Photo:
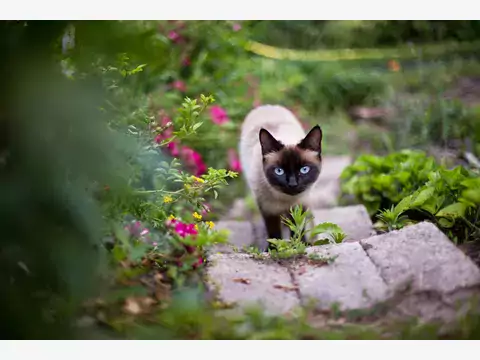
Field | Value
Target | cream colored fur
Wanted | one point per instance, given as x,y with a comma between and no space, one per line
285,127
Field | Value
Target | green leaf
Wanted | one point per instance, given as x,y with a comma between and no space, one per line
422,197
326,227
138,252
455,210
331,233
197,125
139,68
119,253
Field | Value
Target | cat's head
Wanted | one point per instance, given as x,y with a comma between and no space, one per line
292,169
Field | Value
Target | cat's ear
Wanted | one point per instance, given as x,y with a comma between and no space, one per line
313,140
268,142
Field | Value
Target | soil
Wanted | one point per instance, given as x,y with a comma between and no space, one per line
472,250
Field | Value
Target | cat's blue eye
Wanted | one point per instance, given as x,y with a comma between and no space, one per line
279,171
305,169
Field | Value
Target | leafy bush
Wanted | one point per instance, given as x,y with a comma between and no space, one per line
408,186
318,34
450,199
380,182
328,88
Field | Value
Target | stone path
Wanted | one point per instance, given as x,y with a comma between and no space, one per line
418,267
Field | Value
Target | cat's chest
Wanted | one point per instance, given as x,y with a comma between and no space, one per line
274,202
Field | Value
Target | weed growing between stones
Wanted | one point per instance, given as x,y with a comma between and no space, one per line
300,224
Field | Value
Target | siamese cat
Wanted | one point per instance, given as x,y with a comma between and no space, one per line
280,162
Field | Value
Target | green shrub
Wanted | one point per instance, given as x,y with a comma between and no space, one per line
330,88
408,186
380,182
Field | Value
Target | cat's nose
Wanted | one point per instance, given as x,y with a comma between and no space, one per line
292,182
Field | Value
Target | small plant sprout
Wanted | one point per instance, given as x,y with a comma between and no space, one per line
391,219
298,222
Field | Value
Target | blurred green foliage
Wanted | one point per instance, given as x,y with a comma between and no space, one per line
55,150
90,124
317,34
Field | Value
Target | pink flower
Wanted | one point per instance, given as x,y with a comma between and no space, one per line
201,168
193,160
219,115
233,161
136,229
187,155
179,85
154,243
173,147
174,36
236,27
184,230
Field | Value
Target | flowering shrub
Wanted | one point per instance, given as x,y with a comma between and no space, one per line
169,227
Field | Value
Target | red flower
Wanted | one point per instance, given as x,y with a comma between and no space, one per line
219,115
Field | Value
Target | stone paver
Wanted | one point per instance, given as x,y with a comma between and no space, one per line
333,166
245,281
241,234
239,211
354,220
351,280
260,234
418,269
327,188
324,195
437,276
423,254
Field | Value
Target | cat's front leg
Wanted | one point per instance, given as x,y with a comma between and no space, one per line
274,228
